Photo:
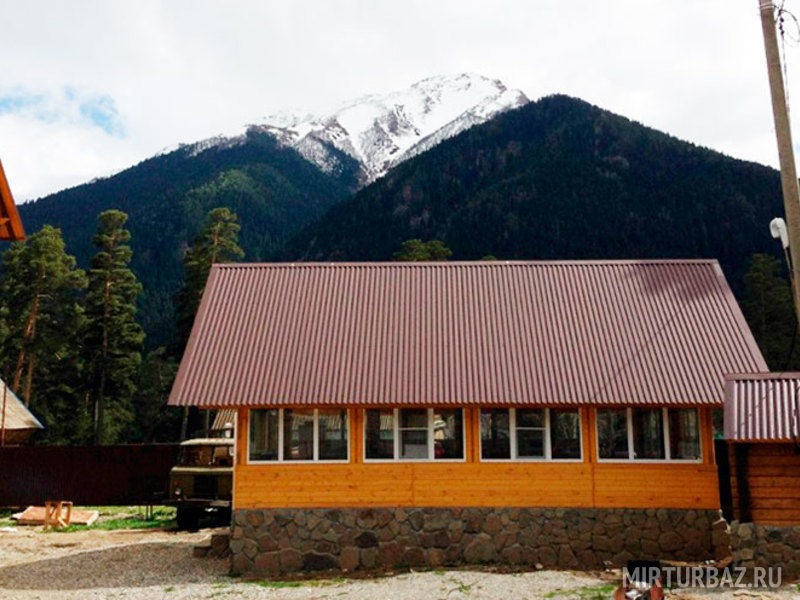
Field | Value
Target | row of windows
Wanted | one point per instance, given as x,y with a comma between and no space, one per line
505,434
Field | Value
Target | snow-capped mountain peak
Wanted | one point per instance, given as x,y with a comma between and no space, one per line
381,130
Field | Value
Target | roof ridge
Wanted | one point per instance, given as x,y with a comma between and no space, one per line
471,263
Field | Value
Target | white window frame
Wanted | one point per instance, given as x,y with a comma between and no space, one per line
314,461
512,437
665,427
431,443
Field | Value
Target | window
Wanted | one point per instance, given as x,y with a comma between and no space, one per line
414,434
612,433
332,434
565,434
448,434
379,434
495,433
530,434
264,441
298,435
648,434
684,436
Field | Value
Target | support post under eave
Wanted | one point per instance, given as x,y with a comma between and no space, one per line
741,454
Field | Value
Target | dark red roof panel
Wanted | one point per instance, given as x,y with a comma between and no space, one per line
567,332
762,407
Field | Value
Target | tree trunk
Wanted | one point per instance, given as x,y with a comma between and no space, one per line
99,425
28,333
100,409
29,380
184,422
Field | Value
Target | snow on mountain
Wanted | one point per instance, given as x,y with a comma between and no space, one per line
382,130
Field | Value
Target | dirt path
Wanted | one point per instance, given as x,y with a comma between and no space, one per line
89,565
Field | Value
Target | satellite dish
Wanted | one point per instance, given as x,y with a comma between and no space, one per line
777,227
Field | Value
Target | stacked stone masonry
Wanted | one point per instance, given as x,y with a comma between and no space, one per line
766,546
273,541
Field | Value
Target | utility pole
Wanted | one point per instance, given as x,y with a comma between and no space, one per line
791,191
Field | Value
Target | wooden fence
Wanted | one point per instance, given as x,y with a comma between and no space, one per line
86,475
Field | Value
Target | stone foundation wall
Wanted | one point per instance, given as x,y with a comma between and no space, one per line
766,546
272,541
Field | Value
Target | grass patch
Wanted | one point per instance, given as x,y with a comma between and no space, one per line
296,583
124,517
5,518
114,524
590,592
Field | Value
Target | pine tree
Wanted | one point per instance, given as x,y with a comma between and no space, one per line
154,420
218,242
113,339
767,305
417,251
39,288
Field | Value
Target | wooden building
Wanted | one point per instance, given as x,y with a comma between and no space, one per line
586,385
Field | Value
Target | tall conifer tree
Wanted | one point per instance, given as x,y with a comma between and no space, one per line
218,242
113,339
39,288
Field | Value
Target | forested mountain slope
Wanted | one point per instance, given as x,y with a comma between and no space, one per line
273,190
557,179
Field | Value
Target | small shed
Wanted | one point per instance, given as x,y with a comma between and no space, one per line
17,423
762,427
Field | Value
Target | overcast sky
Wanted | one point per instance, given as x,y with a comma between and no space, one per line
88,88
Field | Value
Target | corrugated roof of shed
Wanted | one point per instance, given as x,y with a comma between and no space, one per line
561,332
762,407
17,416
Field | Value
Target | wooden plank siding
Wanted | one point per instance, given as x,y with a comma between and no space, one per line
583,484
772,482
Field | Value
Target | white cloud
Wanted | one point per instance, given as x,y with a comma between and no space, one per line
185,70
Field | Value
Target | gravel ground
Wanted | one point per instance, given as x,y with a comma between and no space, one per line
159,564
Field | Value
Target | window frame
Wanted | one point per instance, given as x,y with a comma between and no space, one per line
665,432
396,437
314,461
512,437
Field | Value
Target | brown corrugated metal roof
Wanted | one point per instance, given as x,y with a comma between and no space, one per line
565,332
762,407
223,418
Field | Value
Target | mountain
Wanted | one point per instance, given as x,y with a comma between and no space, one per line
272,189
558,179
381,131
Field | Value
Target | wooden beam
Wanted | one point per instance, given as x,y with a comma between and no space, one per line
10,223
